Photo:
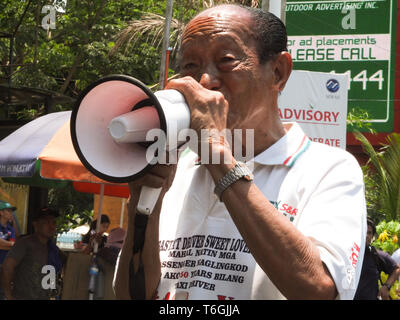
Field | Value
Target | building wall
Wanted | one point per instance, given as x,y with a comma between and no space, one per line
113,207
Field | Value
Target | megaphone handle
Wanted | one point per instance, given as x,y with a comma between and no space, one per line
148,199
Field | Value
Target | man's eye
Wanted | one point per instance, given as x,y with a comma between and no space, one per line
227,59
228,63
189,66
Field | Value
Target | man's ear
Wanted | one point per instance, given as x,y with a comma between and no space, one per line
282,69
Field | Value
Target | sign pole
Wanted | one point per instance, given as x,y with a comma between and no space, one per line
277,7
165,46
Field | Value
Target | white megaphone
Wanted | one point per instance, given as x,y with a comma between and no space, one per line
110,121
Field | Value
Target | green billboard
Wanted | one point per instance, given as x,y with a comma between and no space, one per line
353,37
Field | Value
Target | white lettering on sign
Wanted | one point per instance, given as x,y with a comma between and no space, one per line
339,47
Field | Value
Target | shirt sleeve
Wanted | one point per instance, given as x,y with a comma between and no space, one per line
388,263
334,218
18,251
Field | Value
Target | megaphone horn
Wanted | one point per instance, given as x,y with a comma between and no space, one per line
111,118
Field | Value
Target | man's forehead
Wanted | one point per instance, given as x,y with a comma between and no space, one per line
225,11
218,19
47,218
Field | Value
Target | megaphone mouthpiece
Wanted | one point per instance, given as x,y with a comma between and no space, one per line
133,126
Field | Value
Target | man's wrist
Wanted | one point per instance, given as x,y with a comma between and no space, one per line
214,149
218,170
239,171
387,286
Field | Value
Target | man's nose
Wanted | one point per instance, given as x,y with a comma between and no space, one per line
210,80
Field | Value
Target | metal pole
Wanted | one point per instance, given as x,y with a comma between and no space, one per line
10,59
121,218
265,5
94,269
277,7
98,224
283,11
167,25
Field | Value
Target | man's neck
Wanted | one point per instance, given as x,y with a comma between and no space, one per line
271,136
43,240
3,222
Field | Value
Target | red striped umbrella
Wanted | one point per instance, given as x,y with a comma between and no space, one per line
43,149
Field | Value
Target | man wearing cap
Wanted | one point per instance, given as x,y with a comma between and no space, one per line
31,266
7,233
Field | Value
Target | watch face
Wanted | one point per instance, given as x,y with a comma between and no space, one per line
246,173
247,177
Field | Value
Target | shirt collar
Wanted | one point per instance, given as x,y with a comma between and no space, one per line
287,149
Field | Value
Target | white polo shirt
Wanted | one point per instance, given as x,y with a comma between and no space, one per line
318,188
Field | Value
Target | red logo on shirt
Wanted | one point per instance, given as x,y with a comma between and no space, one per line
287,210
355,251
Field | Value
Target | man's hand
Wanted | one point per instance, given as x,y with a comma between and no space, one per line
5,244
208,108
384,293
160,176
208,117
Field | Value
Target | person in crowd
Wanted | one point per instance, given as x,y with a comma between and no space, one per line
264,228
113,246
7,233
375,261
93,236
32,268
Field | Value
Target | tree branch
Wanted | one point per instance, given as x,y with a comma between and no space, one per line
78,57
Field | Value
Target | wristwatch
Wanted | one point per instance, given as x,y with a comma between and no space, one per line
239,171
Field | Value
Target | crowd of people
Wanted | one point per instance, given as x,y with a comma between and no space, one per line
22,262
32,266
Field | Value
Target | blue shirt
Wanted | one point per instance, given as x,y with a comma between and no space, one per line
6,233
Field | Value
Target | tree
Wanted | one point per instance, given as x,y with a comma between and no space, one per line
149,27
383,177
66,59
76,208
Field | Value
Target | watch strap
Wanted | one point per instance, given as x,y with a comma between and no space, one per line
239,171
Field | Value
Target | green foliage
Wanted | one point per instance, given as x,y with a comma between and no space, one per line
388,234
357,121
383,176
76,52
76,208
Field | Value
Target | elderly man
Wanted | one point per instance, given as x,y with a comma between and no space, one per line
295,230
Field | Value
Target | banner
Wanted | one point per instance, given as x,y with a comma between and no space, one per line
318,103
353,37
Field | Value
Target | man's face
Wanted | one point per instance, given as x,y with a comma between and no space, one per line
370,235
218,50
46,226
7,214
103,227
